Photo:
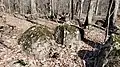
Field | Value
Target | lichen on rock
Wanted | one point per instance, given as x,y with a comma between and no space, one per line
31,35
70,29
64,33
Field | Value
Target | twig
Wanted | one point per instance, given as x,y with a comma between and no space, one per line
5,45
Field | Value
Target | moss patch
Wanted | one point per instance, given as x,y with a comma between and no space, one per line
31,35
69,28
64,31
114,56
117,38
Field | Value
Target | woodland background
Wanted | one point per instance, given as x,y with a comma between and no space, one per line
32,33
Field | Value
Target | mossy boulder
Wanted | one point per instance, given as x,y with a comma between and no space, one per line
114,56
65,34
40,35
71,29
33,34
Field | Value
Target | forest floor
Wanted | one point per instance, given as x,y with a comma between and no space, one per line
11,52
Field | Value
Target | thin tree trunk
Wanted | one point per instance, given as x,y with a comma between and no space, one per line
9,8
71,10
113,7
20,7
81,8
33,7
77,6
50,7
57,9
53,7
97,6
111,17
90,13
116,10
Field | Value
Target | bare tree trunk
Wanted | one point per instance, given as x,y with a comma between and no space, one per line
51,14
21,10
111,17
97,5
81,8
53,7
9,8
90,13
112,12
82,1
57,9
116,10
50,7
71,10
33,7
77,7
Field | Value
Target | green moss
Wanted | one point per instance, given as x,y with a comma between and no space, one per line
114,56
70,29
117,38
59,34
31,35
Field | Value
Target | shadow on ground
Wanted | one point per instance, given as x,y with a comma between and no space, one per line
97,57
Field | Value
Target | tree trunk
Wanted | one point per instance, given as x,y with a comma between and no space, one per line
82,1
97,5
33,7
111,17
76,8
50,7
21,10
116,11
90,13
71,10
81,8
112,13
53,7
9,8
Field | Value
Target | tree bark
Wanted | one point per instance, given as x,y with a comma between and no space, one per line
81,8
90,13
111,17
53,7
50,7
21,10
112,13
71,10
97,6
33,7
9,8
116,11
